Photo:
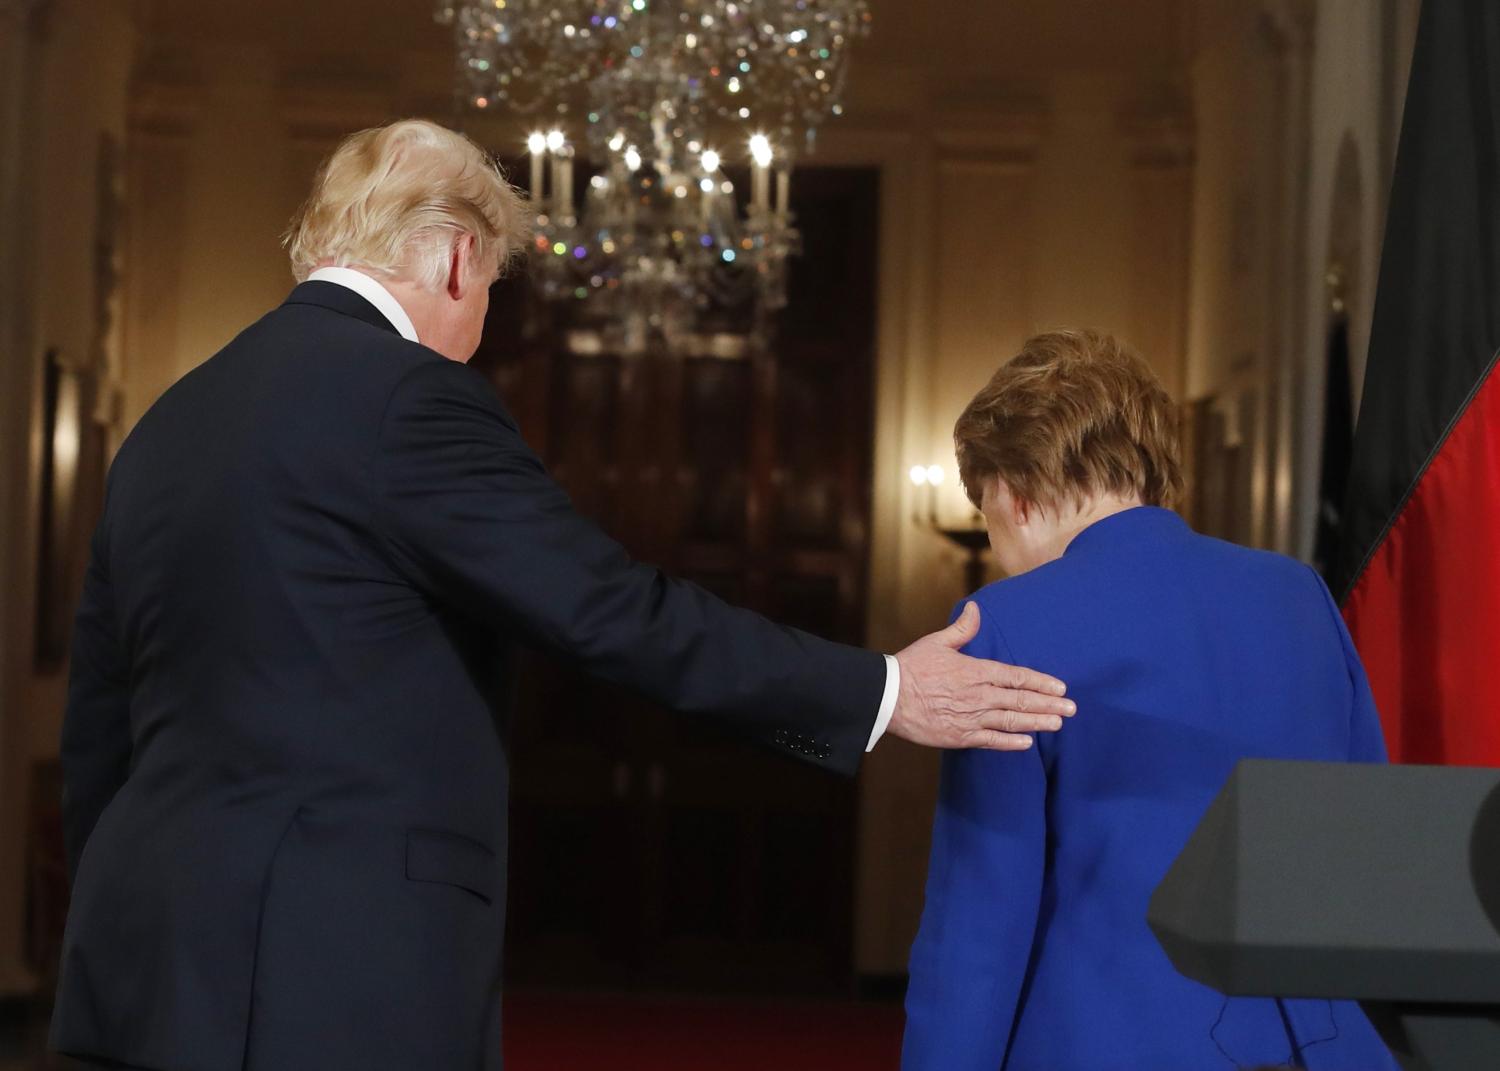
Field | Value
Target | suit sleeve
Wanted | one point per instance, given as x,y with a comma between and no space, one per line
468,514
96,745
1366,738
984,888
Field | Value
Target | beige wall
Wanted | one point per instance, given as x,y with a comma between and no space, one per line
1297,105
68,61
1368,46
1248,283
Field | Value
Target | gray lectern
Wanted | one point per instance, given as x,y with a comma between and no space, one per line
1374,883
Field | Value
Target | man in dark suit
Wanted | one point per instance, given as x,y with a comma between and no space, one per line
284,750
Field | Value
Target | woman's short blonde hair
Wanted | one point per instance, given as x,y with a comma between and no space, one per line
392,199
1074,414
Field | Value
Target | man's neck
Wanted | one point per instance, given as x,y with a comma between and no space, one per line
377,291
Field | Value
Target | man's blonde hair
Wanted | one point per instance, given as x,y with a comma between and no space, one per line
392,200
1074,414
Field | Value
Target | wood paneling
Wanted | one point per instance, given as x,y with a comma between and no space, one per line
648,849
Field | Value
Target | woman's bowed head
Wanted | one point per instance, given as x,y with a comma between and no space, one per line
1071,430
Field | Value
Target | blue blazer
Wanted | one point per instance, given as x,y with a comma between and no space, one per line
1185,655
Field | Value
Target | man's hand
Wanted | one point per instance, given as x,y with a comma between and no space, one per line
950,700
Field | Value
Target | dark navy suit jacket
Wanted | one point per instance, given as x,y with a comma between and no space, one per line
284,749
1185,655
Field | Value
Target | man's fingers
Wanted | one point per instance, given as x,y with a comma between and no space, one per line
1010,700
1017,678
990,740
1009,721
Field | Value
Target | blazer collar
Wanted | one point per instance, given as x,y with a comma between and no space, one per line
1142,523
340,299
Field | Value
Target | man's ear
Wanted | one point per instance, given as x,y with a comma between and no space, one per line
460,263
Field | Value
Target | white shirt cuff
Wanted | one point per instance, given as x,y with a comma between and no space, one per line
887,701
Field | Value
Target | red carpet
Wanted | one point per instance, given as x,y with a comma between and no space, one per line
625,1033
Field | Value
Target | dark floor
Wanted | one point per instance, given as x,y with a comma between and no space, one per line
572,1032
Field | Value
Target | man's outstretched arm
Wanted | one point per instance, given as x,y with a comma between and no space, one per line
467,512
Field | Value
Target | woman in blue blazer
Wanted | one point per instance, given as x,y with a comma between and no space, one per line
1185,654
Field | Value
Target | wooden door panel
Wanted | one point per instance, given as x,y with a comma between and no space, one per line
816,420
715,460
650,848
584,418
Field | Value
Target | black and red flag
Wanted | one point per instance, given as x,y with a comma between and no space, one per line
1419,564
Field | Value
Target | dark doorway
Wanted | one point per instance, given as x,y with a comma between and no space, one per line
646,849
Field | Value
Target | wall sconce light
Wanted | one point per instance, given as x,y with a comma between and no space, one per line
930,477
973,539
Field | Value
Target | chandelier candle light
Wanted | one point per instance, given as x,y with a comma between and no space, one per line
656,95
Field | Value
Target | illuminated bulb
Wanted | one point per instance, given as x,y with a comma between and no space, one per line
918,475
617,142
760,149
706,185
935,475
632,159
536,143
555,140
710,160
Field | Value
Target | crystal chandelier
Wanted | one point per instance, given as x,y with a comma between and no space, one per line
660,96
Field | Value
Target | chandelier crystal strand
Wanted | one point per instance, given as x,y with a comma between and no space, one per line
660,96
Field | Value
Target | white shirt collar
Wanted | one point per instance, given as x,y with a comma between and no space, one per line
373,292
